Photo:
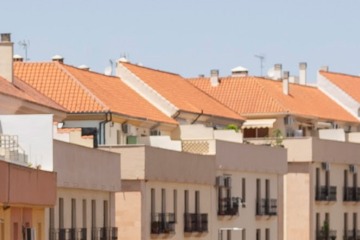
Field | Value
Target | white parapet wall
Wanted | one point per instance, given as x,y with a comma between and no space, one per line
332,134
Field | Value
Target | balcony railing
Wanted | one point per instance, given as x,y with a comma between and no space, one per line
10,150
162,223
271,207
325,193
68,234
104,233
266,207
351,194
196,222
326,235
229,206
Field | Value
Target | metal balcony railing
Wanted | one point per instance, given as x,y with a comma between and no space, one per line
266,207
162,223
326,235
10,150
104,233
229,206
196,222
325,193
67,234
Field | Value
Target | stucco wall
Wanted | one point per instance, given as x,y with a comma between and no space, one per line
95,169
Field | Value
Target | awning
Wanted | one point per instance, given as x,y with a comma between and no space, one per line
259,123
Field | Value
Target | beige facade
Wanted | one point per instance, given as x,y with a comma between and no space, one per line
87,182
175,195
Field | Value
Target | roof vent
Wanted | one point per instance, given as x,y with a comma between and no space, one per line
84,67
239,72
58,58
18,58
123,59
214,77
324,68
5,37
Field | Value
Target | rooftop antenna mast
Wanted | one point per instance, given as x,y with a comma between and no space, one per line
25,45
261,58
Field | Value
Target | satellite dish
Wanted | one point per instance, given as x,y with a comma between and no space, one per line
271,73
108,71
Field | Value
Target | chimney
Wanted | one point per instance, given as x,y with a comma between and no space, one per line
277,72
324,68
58,58
6,57
239,72
285,83
302,73
214,77
18,58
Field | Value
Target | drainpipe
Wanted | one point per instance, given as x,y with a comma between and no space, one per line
108,118
198,116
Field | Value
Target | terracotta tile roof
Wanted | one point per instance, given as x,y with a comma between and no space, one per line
83,91
21,90
348,83
181,93
254,95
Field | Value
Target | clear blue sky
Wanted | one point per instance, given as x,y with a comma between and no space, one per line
190,37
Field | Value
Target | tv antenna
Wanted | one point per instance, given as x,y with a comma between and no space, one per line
25,44
261,59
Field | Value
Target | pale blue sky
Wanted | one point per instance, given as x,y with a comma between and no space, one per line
190,37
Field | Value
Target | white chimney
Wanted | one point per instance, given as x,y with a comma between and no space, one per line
285,83
18,58
58,58
214,77
302,73
277,72
239,72
6,57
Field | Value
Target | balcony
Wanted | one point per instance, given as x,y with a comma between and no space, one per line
326,235
229,206
352,234
68,234
162,223
266,207
196,222
325,193
104,233
10,150
271,207
350,194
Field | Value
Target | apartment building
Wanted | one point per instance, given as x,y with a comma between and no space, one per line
82,204
313,128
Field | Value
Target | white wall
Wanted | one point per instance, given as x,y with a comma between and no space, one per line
34,135
332,134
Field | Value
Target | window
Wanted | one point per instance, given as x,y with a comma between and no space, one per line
61,213
258,189
228,235
243,234
163,200
84,215
258,234
186,201
73,213
345,225
267,189
152,200
175,205
51,223
197,202
106,213
93,213
243,188
267,234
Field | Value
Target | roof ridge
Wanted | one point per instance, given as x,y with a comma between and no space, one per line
270,95
153,69
211,97
62,68
337,73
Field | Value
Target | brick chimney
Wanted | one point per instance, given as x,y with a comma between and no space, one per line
6,57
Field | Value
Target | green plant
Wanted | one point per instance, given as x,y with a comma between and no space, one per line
232,127
278,136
